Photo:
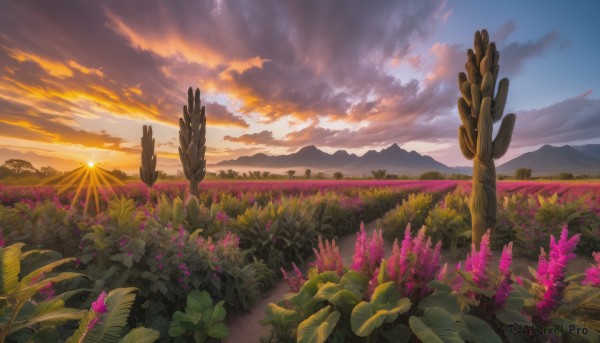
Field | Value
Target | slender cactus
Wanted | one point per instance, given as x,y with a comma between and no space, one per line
192,141
478,110
148,172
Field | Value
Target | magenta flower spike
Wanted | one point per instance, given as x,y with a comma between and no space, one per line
592,274
551,274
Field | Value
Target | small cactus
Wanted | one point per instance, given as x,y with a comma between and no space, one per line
478,110
148,173
192,141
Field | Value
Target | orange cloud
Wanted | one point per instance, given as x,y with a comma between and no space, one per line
240,66
166,44
85,70
53,68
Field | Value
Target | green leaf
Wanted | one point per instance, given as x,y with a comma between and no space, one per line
218,330
318,327
366,317
439,286
141,335
477,330
435,326
219,312
344,300
198,301
327,291
10,263
277,315
583,296
26,281
508,316
447,301
109,328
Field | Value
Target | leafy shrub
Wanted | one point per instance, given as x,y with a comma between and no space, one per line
413,210
201,319
411,298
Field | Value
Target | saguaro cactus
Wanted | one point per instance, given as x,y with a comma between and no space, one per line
192,141
479,109
148,172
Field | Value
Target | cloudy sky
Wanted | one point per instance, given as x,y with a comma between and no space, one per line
79,78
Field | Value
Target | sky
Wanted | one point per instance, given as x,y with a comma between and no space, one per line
79,79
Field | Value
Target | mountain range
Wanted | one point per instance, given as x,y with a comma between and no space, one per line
393,159
546,161
550,160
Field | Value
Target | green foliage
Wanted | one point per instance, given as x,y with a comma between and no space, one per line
338,175
413,210
565,176
201,319
523,173
432,175
109,327
379,174
18,309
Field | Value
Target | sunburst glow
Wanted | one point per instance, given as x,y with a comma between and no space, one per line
88,180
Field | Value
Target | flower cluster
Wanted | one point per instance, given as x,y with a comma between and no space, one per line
551,273
477,261
98,308
368,253
504,288
592,274
295,282
328,258
412,273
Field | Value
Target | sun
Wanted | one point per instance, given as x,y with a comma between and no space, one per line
91,164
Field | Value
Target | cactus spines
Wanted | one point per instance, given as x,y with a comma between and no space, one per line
479,108
148,173
192,140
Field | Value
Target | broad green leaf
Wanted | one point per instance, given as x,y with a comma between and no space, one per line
366,317
10,263
447,301
473,329
219,313
318,327
218,330
26,281
344,300
277,315
141,335
509,316
435,326
198,301
439,286
327,291
386,293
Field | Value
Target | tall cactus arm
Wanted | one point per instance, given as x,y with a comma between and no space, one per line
502,141
500,100
485,128
467,149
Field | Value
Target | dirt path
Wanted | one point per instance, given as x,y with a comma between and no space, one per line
246,328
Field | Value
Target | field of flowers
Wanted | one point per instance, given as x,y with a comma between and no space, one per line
164,266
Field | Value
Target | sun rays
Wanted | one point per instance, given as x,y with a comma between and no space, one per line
89,181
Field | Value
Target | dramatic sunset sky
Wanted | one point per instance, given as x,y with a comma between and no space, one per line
80,78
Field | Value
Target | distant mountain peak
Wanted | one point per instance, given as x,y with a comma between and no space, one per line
309,148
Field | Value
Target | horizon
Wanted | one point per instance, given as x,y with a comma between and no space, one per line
371,78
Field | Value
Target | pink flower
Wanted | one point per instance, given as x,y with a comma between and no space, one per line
47,291
99,306
328,258
296,282
551,274
368,253
477,261
592,274
506,259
